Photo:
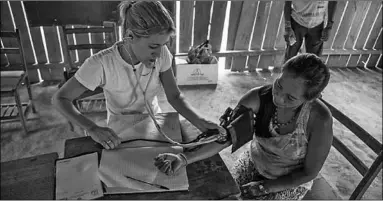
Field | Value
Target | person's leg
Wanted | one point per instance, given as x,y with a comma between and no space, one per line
299,32
313,41
245,172
244,169
289,194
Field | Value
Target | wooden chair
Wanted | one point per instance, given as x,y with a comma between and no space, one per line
12,79
368,173
109,29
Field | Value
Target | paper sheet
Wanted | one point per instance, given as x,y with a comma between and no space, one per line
138,163
77,178
141,126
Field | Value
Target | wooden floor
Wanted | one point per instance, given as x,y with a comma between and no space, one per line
356,92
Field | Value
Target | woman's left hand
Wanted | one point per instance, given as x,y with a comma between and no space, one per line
254,188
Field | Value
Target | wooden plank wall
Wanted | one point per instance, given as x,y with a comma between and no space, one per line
354,21
243,34
276,8
259,31
254,35
234,19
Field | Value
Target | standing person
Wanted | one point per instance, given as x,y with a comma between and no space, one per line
292,138
131,73
311,20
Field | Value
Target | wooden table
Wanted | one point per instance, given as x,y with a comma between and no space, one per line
208,179
30,178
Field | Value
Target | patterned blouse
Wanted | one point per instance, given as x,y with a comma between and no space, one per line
279,155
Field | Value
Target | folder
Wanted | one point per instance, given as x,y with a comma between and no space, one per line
77,178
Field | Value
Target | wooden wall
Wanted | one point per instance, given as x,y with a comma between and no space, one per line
254,35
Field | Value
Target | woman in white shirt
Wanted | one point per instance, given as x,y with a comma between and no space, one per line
131,73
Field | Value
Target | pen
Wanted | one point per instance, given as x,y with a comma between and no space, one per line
156,185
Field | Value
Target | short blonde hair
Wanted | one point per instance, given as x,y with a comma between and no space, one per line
145,18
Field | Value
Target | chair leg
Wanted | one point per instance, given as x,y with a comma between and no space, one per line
30,94
21,113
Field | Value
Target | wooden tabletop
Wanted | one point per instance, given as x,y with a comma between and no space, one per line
30,178
208,179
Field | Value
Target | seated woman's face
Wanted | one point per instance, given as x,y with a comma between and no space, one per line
288,91
147,50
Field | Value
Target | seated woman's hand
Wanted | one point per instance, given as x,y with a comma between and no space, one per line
169,163
105,136
254,188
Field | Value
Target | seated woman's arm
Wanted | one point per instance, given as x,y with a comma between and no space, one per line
321,134
180,104
249,100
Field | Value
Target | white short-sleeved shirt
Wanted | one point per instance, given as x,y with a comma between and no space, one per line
108,70
309,13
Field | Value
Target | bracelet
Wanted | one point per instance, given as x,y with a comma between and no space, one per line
184,158
262,188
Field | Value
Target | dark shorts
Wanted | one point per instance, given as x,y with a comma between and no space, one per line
312,36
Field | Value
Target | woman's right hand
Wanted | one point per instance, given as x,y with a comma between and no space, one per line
289,36
104,136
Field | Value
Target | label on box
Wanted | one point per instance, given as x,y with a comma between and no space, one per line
194,74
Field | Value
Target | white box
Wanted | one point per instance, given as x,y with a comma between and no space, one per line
195,74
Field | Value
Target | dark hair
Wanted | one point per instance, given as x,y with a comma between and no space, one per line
145,18
312,69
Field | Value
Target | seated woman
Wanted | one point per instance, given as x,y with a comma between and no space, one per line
293,134
131,73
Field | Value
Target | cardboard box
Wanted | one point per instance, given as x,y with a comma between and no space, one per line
195,74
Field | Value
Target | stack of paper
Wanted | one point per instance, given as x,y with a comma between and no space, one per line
77,178
127,169
120,169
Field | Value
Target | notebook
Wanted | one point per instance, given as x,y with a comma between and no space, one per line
77,178
135,159
138,164
80,177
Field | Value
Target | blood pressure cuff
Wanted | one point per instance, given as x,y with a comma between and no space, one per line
239,124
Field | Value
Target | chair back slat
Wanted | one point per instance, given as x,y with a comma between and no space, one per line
8,34
83,45
10,50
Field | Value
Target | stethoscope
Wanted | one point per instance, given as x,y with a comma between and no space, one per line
151,113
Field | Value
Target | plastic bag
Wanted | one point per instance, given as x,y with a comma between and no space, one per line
201,54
